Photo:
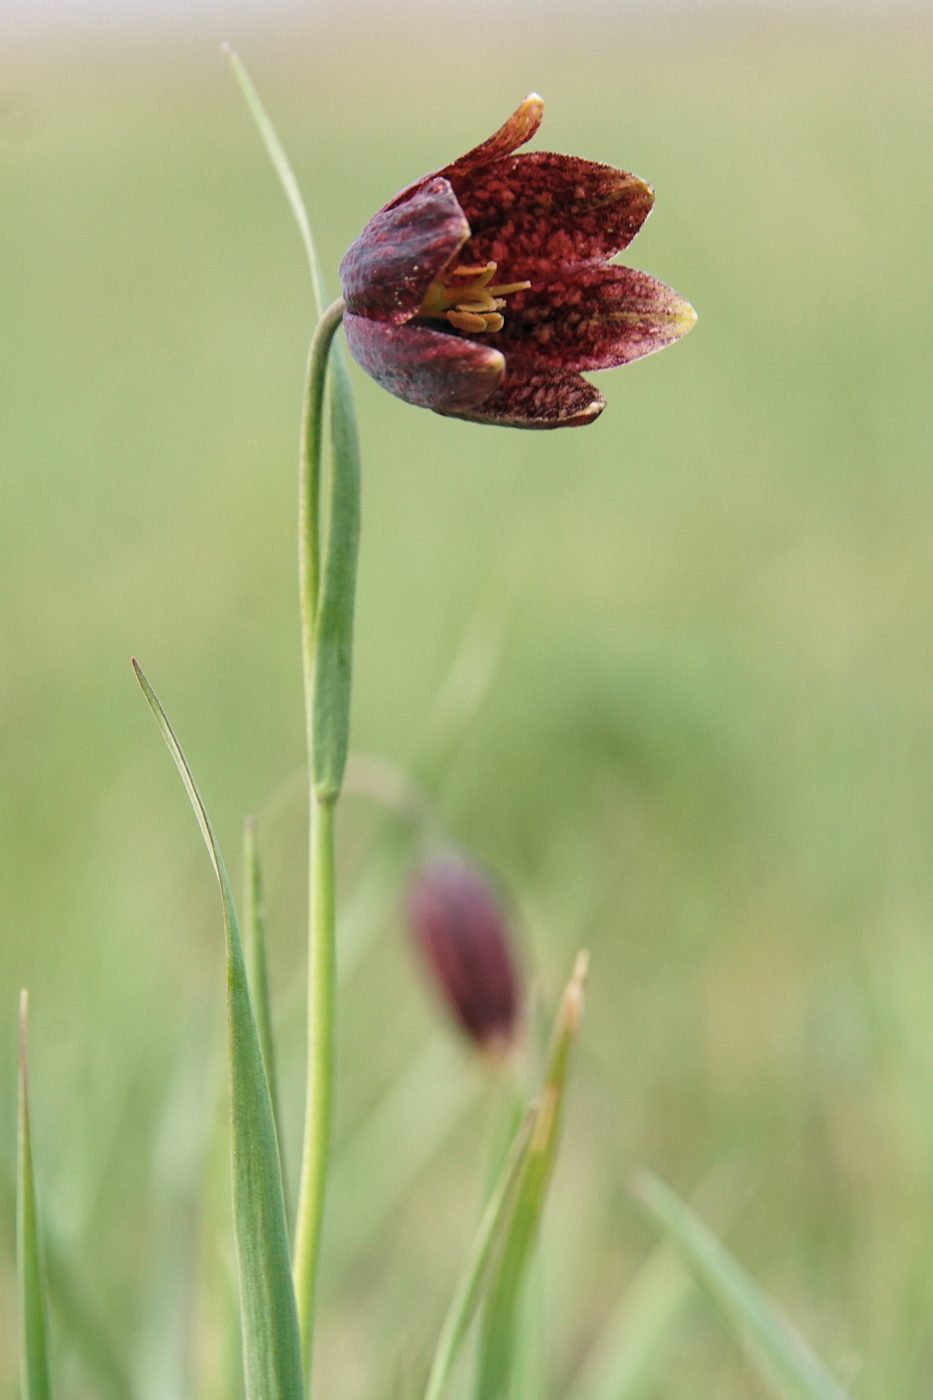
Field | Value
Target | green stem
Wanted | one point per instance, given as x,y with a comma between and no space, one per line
321,921
320,1086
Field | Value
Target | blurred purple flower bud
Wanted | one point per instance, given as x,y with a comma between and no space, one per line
459,927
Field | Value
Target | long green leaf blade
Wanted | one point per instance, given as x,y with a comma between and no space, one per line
488,1238
282,167
34,1348
633,1340
778,1351
333,633
257,971
334,614
271,1352
71,1297
497,1345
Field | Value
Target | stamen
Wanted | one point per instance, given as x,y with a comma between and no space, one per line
471,306
467,321
508,289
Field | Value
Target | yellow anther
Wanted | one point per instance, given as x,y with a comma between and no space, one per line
481,304
485,273
466,321
471,305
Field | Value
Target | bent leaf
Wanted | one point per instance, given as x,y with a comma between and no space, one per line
271,1352
334,617
774,1347
500,1314
34,1347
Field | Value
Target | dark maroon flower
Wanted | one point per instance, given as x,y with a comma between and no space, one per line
460,930
481,291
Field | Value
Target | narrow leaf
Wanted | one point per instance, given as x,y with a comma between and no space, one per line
334,620
282,166
632,1343
488,1238
71,1298
778,1351
333,639
497,1345
271,1352
34,1349
254,946
624,1361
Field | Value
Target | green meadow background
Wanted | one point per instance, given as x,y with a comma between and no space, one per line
670,678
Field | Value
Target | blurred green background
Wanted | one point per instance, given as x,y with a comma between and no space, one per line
671,677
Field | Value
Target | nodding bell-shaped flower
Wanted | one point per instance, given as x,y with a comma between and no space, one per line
483,290
460,931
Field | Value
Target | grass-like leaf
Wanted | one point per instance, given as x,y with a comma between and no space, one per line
271,1352
333,633
34,1332
71,1298
254,948
777,1350
634,1339
500,1315
282,167
489,1237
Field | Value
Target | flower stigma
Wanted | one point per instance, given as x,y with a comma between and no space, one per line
472,305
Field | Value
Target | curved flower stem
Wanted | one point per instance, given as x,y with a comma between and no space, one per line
321,952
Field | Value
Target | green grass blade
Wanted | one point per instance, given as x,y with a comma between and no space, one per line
71,1298
633,1341
778,1351
257,974
500,1317
282,166
34,1347
488,1238
271,1352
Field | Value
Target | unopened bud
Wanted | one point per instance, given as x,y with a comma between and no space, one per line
460,929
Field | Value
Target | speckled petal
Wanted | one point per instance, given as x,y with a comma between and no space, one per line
534,213
551,400
387,270
520,127
591,318
424,367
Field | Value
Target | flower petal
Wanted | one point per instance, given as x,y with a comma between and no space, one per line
532,214
424,367
520,127
591,318
546,400
386,272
